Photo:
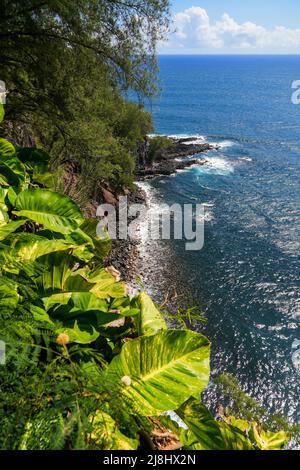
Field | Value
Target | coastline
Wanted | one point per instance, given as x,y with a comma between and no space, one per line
176,157
126,255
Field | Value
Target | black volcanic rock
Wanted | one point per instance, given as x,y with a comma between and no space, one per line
169,160
180,150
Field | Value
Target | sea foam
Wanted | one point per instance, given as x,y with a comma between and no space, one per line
215,166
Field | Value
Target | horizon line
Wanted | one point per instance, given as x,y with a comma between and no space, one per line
229,54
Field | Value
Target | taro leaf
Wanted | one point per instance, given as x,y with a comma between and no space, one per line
6,149
102,246
3,193
57,269
241,424
40,315
78,301
12,170
11,227
29,247
3,217
81,307
264,440
12,194
50,209
163,370
105,285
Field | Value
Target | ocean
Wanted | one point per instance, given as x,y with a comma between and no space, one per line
246,277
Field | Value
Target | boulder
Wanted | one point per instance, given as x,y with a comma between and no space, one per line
108,197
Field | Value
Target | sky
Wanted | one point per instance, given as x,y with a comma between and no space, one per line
233,27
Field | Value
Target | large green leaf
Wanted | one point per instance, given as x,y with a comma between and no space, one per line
78,335
241,424
205,433
83,307
40,315
29,247
57,267
11,169
103,283
50,209
203,430
3,193
8,229
125,306
85,250
163,370
100,283
78,301
3,217
150,320
61,276
36,162
106,284
102,246
3,207
12,194
86,321
43,178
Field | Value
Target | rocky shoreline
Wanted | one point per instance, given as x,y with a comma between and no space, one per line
175,157
124,255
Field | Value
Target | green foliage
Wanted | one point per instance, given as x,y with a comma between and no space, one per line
87,367
106,434
227,433
46,429
205,433
150,319
263,440
67,67
49,209
246,408
162,370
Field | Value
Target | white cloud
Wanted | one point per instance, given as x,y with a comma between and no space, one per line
194,31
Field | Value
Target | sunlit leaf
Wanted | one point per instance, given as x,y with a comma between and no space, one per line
50,209
150,320
164,370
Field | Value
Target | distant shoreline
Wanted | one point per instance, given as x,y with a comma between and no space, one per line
176,157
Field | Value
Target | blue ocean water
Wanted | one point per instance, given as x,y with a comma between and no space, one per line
247,275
